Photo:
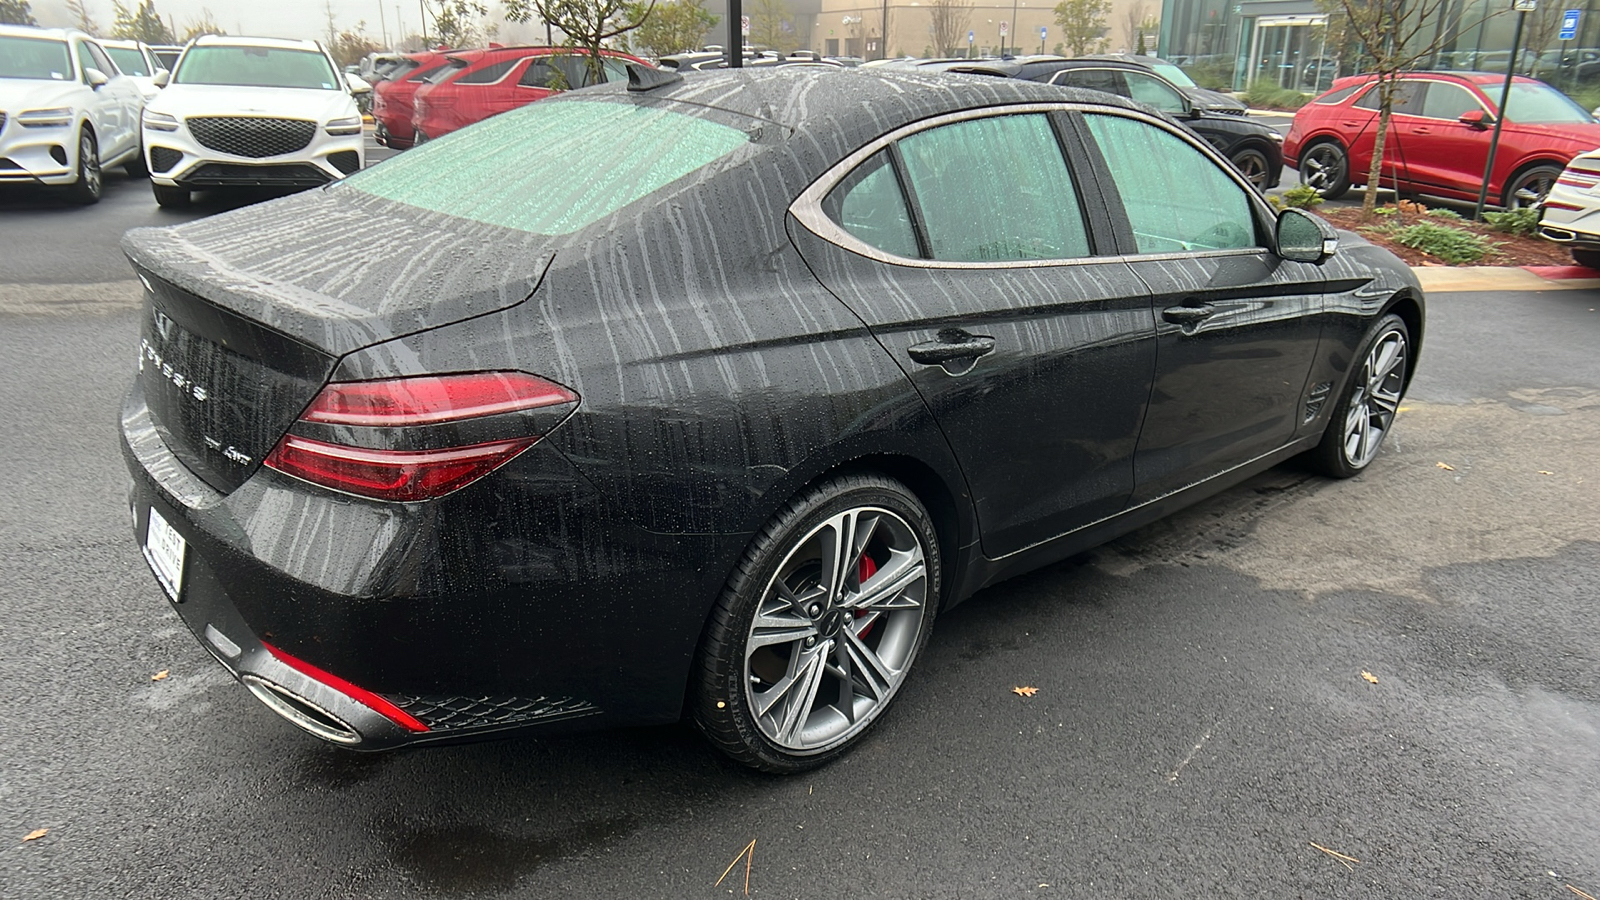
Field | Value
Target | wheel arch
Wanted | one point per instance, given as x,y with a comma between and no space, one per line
1522,169
1321,137
1406,305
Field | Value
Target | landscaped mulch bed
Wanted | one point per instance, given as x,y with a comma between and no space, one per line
1511,250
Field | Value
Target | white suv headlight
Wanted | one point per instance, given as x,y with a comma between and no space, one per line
160,121
351,125
45,118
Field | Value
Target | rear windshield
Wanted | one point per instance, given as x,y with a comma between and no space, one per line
552,167
129,60
257,67
44,60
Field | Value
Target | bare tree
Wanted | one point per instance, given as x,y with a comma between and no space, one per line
1133,20
81,18
586,23
206,24
1397,35
1539,32
771,24
951,19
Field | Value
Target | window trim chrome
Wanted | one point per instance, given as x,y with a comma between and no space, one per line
807,208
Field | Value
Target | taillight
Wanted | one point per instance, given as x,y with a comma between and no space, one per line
418,438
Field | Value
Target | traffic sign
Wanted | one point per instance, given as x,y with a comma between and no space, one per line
970,37
1042,31
744,25
1525,5
1569,24
1003,29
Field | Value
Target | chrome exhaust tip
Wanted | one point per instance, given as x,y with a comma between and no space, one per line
1559,235
302,712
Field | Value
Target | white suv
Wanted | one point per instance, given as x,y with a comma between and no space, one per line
65,111
136,61
250,111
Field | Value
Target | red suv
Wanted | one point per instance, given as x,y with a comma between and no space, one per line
391,98
1438,142
484,83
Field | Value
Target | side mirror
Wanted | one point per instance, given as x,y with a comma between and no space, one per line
1476,118
357,84
161,78
95,77
1303,237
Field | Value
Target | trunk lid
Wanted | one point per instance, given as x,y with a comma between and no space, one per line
244,325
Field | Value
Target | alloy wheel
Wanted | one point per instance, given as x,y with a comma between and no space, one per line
1531,188
836,629
1253,166
1323,168
1376,400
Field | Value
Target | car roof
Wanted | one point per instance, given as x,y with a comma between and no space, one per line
120,42
228,40
1465,77
58,34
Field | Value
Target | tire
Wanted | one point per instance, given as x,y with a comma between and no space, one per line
91,181
1365,412
1529,187
170,197
803,684
1325,168
1253,165
136,167
1590,258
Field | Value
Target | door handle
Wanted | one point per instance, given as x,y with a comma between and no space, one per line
1422,131
952,345
1188,315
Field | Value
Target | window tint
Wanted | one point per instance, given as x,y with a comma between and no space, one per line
616,69
1152,90
1448,101
26,57
488,74
1108,80
129,60
444,72
1186,203
428,73
1407,98
536,75
1332,97
85,61
995,188
103,62
574,68
868,203
247,66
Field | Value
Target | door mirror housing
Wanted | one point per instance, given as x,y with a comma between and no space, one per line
162,77
1476,118
357,84
1303,237
96,78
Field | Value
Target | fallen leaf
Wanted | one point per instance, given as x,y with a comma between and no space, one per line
35,835
1369,676
1025,691
159,676
1543,472
1446,466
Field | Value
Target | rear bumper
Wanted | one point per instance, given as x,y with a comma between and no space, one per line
336,612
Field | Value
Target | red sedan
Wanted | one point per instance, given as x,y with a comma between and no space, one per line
1438,141
391,98
484,83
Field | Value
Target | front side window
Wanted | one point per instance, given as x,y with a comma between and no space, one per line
1186,203
869,204
1537,103
129,60
995,189
103,62
1149,89
1448,101
247,66
488,74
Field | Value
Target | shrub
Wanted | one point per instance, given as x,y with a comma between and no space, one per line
1266,95
1449,215
1523,221
1452,245
1300,196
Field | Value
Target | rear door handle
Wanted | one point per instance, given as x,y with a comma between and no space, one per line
1188,315
951,346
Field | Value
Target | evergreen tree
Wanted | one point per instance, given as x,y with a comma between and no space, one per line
16,12
142,24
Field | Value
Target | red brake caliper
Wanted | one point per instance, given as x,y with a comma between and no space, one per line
868,569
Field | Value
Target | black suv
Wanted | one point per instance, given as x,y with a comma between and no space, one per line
1203,98
1255,149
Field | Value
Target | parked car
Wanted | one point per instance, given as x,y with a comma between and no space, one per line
392,97
167,55
549,427
1439,140
1252,147
65,111
1571,211
489,82
242,111
136,60
1214,102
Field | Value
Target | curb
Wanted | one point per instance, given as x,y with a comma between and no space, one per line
1506,278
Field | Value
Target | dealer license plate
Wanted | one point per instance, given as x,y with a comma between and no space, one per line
164,550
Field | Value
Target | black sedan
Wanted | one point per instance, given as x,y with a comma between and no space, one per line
1252,147
533,428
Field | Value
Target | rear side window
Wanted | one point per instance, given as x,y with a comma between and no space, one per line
488,74
551,167
537,74
1407,98
1186,203
1338,96
1152,90
995,189
428,73
1108,80
869,204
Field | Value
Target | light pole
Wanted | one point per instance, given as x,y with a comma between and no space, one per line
1014,30
883,33
1523,7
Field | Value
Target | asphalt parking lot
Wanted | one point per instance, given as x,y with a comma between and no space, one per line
1382,687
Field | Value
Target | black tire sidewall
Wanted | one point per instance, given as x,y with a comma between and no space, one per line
731,725
1340,187
80,191
1251,153
1511,186
1329,456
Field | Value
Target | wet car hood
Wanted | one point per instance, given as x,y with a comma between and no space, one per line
341,270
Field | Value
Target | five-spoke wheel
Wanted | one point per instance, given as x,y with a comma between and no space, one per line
1528,189
1325,168
818,629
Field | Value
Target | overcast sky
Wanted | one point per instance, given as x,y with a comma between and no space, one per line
267,18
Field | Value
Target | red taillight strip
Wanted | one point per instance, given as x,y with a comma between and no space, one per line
1578,182
361,695
432,399
1557,204
402,475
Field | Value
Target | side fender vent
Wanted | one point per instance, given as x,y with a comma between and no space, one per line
1316,399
